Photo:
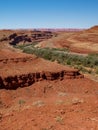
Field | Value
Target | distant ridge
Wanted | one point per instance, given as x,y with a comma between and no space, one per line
83,41
93,29
46,29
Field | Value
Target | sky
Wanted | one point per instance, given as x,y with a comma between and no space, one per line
16,14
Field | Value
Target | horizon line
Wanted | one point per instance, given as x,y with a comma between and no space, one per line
43,28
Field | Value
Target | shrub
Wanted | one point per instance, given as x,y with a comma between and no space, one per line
21,102
62,56
97,71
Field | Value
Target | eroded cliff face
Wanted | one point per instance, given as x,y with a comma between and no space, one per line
24,80
14,37
22,70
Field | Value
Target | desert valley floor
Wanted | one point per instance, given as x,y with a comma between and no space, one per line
37,94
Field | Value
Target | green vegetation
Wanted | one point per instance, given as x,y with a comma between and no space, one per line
86,64
21,102
59,119
97,70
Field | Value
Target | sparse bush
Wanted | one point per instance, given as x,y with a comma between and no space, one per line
97,71
28,50
59,119
21,102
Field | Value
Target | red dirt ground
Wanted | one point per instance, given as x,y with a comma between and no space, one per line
51,105
67,104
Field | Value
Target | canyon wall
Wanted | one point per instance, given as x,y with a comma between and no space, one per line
24,80
22,70
24,37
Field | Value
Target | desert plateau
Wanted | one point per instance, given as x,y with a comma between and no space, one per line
49,79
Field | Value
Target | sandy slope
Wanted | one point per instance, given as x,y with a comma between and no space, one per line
83,41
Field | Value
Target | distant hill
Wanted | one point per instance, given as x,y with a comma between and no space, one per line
93,29
85,41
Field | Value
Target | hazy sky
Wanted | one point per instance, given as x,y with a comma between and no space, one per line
48,13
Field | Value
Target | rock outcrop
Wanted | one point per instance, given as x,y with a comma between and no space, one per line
24,80
22,70
18,39
25,36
